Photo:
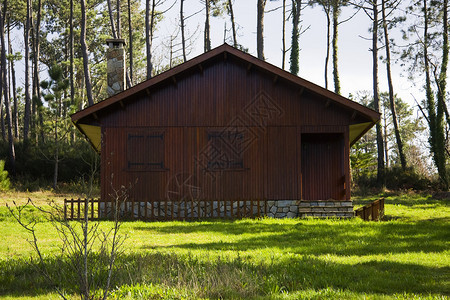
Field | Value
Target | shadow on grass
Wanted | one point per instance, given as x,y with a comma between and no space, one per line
319,238
402,199
243,278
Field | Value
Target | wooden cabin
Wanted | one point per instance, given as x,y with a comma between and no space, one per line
227,135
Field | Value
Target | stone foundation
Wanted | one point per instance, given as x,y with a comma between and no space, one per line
187,209
230,209
326,208
282,209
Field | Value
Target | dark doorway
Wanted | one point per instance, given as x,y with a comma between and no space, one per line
323,174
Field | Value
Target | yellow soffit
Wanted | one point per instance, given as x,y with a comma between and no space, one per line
93,133
356,130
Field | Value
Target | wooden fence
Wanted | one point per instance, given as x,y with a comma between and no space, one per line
371,212
75,209
153,210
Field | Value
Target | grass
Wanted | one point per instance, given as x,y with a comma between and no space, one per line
405,257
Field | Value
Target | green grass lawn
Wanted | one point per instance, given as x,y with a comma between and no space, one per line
407,257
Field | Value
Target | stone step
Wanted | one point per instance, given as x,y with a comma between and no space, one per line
324,209
335,214
326,204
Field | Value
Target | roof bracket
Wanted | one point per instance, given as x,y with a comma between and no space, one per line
300,90
121,104
249,67
95,116
275,79
174,80
225,56
200,67
148,92
354,114
327,104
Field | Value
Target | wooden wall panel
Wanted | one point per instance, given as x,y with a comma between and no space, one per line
282,174
275,114
323,166
219,94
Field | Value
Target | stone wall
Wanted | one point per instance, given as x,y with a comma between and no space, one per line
115,56
231,209
282,209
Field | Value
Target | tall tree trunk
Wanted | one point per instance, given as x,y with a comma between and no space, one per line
118,19
233,25
431,104
295,49
283,37
36,77
27,110
183,41
386,149
207,38
337,84
130,41
391,87
2,113
260,29
376,97
441,94
56,155
12,155
327,57
71,54
149,23
15,115
84,51
2,118
111,19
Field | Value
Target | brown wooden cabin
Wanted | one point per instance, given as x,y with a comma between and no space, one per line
226,126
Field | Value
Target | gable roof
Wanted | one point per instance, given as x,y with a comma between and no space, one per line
92,131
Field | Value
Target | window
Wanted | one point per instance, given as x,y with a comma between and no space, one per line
145,151
225,150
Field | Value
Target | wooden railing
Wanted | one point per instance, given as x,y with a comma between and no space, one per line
152,210
371,212
75,209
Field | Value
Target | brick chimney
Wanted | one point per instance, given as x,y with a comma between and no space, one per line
115,56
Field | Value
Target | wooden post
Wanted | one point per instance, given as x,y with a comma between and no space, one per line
139,210
65,209
145,209
212,208
265,207
238,208
79,209
231,209
259,208
152,215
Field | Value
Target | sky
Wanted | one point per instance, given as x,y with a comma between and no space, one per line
354,57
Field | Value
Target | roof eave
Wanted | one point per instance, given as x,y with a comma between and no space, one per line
367,112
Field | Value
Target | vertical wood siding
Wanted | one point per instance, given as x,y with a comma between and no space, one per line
286,153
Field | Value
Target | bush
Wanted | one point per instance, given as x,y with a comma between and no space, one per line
396,179
35,164
4,180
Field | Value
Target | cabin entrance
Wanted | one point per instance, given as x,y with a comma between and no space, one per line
322,166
